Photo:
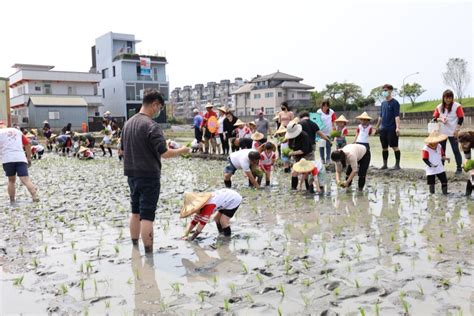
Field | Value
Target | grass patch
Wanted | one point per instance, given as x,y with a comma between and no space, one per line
431,105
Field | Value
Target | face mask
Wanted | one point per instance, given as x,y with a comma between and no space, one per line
283,109
157,114
385,94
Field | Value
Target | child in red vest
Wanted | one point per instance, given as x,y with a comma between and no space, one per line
267,160
433,155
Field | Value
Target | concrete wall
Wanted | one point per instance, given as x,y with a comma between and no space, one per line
4,100
67,114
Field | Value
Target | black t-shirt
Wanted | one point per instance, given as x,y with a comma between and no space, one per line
143,144
301,142
310,128
229,126
245,143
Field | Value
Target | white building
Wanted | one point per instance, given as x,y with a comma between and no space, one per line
41,80
125,74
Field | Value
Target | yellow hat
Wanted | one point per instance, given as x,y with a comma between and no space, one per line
82,149
303,166
280,130
257,136
252,123
209,105
239,123
193,202
53,136
341,119
222,109
34,131
364,116
435,137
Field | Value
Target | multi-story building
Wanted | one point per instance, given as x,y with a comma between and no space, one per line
267,93
126,74
184,100
4,101
58,87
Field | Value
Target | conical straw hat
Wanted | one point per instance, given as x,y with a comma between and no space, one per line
223,109
257,136
193,202
239,123
342,119
252,123
303,166
82,149
435,137
364,116
280,130
209,105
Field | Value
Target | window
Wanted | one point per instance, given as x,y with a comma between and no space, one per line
103,93
105,73
269,95
71,90
37,88
269,111
256,96
47,88
292,95
280,94
113,71
53,115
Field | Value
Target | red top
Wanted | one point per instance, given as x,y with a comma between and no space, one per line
24,140
206,116
203,216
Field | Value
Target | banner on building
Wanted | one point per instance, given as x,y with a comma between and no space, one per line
145,66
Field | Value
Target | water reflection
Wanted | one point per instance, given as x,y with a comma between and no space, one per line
147,294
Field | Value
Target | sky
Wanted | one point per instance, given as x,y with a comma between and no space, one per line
366,43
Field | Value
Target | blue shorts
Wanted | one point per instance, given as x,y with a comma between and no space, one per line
144,195
16,168
230,168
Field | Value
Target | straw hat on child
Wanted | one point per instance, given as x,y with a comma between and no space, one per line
193,202
209,105
280,130
364,116
341,119
34,131
223,109
252,123
303,166
435,137
257,136
82,149
293,130
239,123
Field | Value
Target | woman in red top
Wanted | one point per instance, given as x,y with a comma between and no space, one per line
209,135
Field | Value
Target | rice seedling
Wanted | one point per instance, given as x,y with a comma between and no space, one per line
281,289
245,269
20,251
214,280
349,268
307,282
404,303
356,283
226,305
45,249
73,244
117,249
461,225
95,286
88,267
306,264
306,300
74,257
361,311
98,252
18,281
130,281
63,289
420,289
232,288
377,309
441,235
107,304
336,291
35,262
280,313
176,287
440,248
259,278
458,270
82,284
201,296
397,248
405,233
249,298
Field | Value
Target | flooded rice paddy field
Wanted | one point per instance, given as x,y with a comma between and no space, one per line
391,250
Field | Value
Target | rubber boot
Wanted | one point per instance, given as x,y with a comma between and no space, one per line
267,183
110,151
432,188
311,189
444,188
287,170
468,188
306,184
294,183
228,183
219,227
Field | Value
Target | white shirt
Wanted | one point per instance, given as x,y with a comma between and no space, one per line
354,153
225,199
327,119
364,133
11,145
450,119
240,159
220,127
435,158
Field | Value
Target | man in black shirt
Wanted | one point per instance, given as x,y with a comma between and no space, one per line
143,145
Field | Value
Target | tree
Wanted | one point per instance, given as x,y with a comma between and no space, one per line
343,94
376,93
317,98
457,76
412,91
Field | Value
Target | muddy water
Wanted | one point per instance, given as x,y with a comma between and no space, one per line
392,249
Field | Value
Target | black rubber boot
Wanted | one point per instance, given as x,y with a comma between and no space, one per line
444,188
294,183
468,188
227,231
110,151
311,189
287,170
267,183
228,183
306,184
432,188
219,227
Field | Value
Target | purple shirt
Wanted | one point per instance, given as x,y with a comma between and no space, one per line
197,121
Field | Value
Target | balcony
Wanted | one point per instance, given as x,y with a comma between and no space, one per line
136,57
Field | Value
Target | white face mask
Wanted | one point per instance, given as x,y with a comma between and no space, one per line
157,114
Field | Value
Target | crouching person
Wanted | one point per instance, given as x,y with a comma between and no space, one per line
433,156
355,158
313,174
247,160
223,203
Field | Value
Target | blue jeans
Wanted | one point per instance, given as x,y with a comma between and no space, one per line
328,152
455,147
